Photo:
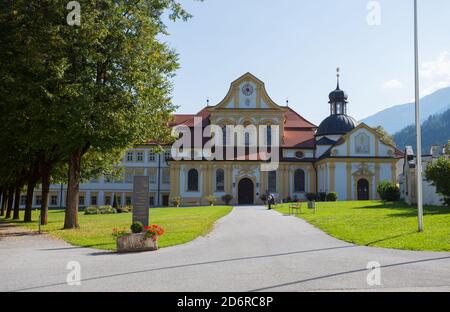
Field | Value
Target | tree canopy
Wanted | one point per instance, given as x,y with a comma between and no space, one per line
75,97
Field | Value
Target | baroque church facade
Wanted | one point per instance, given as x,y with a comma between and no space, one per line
339,156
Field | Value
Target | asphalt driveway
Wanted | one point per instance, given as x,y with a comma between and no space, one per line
251,249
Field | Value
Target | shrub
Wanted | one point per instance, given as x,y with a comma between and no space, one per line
118,233
311,196
91,211
211,199
137,227
322,196
388,191
125,209
99,210
176,201
438,173
227,199
332,197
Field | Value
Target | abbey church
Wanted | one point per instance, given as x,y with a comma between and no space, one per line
339,155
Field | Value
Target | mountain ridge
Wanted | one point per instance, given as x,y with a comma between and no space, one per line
435,103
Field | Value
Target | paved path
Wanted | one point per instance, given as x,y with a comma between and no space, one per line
251,249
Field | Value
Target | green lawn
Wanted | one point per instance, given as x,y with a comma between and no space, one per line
181,224
378,224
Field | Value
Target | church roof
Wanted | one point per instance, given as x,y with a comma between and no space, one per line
337,124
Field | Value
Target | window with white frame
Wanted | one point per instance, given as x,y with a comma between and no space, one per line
81,200
23,200
140,156
38,200
151,156
130,156
167,155
166,176
152,176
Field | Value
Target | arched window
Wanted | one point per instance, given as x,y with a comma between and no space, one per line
193,180
220,180
299,180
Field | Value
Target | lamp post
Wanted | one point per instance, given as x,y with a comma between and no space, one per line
418,125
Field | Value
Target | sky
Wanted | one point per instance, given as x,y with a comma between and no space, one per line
295,46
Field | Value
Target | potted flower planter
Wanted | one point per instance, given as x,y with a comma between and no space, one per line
135,243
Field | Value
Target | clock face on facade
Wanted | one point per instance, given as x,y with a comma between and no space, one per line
247,89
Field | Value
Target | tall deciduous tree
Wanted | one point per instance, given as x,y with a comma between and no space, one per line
118,82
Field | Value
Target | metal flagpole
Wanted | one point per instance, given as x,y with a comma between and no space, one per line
418,125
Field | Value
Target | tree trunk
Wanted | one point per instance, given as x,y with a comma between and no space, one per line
10,202
4,198
16,215
71,217
4,201
45,174
33,178
29,203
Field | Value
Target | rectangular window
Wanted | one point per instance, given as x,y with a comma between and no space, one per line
108,200
23,200
128,200
152,177
273,181
81,200
130,156
166,176
167,155
152,201
38,200
140,156
94,200
53,200
151,157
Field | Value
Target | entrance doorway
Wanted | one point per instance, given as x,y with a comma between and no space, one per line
363,190
165,200
246,192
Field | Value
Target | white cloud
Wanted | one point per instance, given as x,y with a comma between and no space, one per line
392,84
435,74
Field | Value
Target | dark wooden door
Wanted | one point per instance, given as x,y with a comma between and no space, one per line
165,200
246,192
363,190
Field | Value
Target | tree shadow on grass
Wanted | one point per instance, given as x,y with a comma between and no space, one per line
389,238
406,210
